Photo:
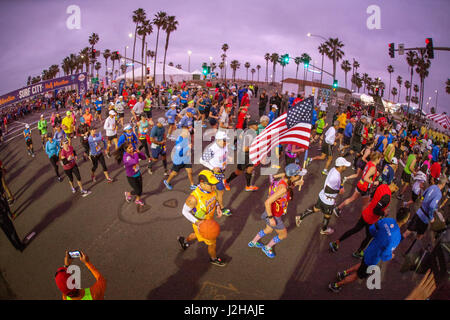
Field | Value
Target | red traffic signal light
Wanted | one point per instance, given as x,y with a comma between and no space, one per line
392,50
429,48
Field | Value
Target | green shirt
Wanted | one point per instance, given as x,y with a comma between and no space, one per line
42,126
320,125
410,159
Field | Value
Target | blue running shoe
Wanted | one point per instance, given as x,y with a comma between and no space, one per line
255,245
193,187
168,186
268,252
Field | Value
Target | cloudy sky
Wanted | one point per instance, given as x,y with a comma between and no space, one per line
35,36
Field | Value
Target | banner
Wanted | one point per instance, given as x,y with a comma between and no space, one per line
79,79
121,84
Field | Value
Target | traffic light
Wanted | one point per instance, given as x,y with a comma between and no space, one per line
306,64
148,70
382,92
377,91
429,48
335,85
391,50
285,58
205,70
93,53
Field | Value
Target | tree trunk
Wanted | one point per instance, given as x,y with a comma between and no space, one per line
321,71
154,63
165,54
134,48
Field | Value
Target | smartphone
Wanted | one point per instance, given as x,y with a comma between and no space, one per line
74,254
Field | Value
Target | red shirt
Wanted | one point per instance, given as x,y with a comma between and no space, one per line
241,118
245,100
131,103
368,215
435,170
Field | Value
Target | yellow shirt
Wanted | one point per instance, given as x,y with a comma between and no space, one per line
68,123
204,210
342,120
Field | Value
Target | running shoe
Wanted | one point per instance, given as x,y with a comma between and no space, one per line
358,254
325,172
226,212
298,221
326,232
268,251
193,187
168,186
334,287
184,245
127,197
256,244
109,180
139,202
166,173
226,185
85,193
400,197
341,275
33,155
60,179
150,171
337,212
334,247
251,188
93,179
308,161
217,262
73,190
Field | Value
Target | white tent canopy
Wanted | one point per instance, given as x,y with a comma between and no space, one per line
197,72
173,75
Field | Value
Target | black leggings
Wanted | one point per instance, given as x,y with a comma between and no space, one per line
96,159
54,161
358,227
144,145
136,184
73,171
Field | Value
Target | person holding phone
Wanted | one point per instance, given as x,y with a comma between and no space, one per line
95,292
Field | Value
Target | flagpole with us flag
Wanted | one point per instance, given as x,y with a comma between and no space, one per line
292,127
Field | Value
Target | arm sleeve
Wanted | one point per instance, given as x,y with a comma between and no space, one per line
381,205
187,213
207,155
99,287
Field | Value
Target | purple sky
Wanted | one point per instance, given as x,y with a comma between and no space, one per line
35,35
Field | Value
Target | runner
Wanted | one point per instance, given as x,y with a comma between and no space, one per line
408,171
327,147
417,188
376,209
128,136
83,133
42,127
362,189
386,237
130,157
148,106
200,206
68,126
96,148
158,139
171,115
98,109
88,117
120,109
327,197
28,140
110,127
280,193
52,149
59,135
68,158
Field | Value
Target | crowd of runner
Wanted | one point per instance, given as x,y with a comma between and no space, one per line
387,155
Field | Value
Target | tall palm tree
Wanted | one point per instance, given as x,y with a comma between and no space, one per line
106,55
98,66
346,67
54,69
93,40
411,58
334,52
423,64
253,72
447,86
247,65
29,80
223,56
234,65
138,17
390,69
394,92
159,20
267,58
144,30
364,80
416,89
85,55
297,61
258,67
399,81
169,26
213,66
225,48
283,65
221,67
274,58
114,57
407,85
356,80
323,51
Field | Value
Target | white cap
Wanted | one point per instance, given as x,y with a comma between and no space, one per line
275,106
221,135
341,162
112,112
27,126
394,160
99,99
121,97
162,121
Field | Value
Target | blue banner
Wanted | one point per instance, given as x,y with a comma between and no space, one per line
121,85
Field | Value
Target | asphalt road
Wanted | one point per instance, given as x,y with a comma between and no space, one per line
138,254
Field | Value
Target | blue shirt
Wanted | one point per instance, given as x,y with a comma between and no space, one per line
186,122
98,105
171,115
435,153
27,131
96,144
128,137
390,139
388,174
52,148
387,237
314,117
180,154
271,116
59,136
431,198
348,130
157,133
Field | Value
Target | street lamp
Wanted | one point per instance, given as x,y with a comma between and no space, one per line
189,60
319,36
435,104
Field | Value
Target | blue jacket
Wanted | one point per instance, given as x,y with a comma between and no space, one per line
431,198
171,115
96,144
180,153
387,237
348,130
52,148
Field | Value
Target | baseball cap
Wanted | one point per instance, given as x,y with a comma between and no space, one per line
173,105
61,278
221,135
292,169
127,127
162,121
112,112
42,115
68,113
82,120
274,106
209,176
27,126
253,123
394,160
191,110
341,162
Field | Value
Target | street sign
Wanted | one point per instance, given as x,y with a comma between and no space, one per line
401,48
94,80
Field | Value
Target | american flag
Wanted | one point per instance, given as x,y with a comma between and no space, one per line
292,127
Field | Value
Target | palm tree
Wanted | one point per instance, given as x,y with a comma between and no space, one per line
221,67
143,30
123,68
29,80
169,26
346,67
178,66
364,80
447,86
423,64
297,61
106,55
54,69
138,17
234,65
114,57
267,58
98,65
258,67
253,72
247,65
213,66
355,80
394,92
93,40
85,55
416,90
223,56
225,47
390,69
274,58
159,20
170,64
334,52
399,81
323,51
411,58
407,85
